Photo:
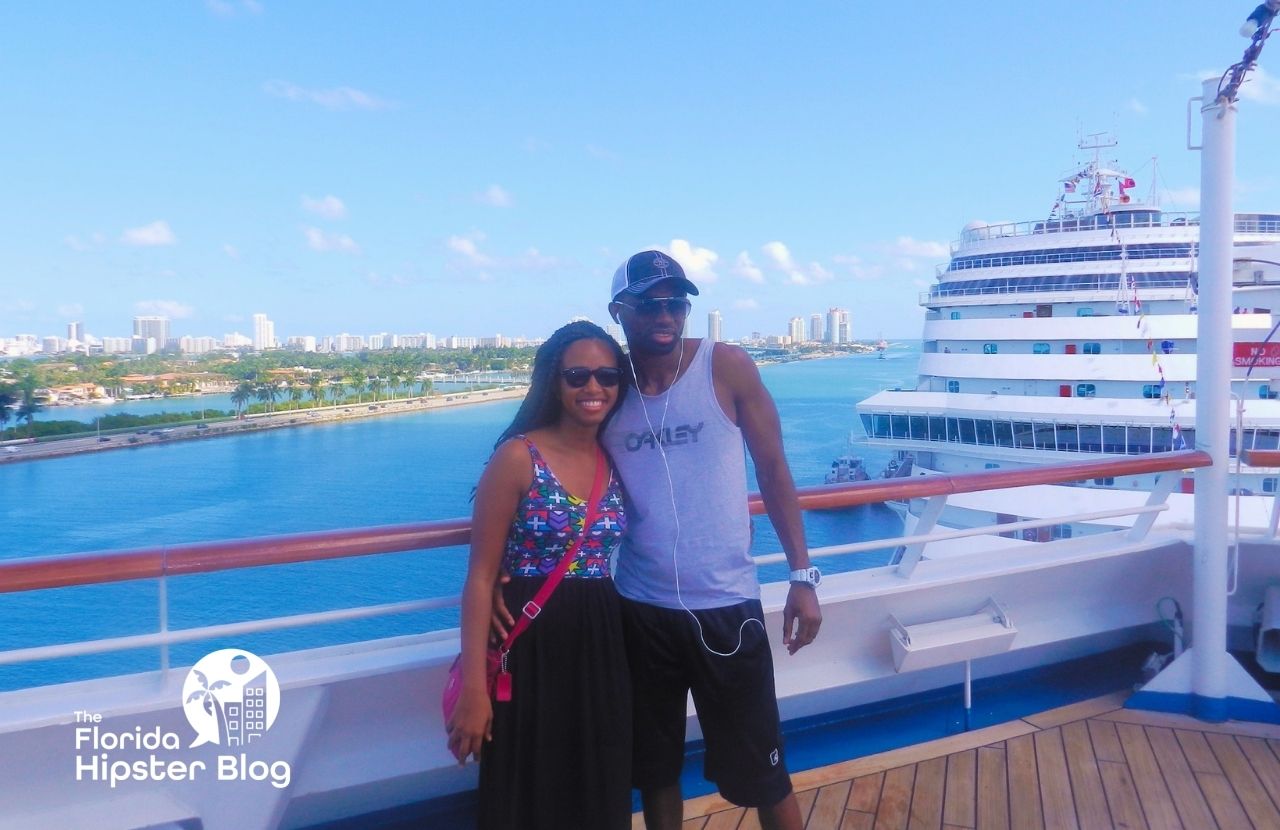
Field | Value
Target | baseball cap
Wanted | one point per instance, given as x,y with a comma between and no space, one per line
646,269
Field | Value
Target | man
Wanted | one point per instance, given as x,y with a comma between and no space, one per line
691,597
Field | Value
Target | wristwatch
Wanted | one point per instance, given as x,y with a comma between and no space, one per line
807,576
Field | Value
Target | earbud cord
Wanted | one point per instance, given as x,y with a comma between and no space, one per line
675,513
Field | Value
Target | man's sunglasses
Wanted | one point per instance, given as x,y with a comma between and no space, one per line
675,306
577,376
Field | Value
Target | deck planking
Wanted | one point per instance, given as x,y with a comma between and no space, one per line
1089,765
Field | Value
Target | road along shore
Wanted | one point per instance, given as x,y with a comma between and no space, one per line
55,448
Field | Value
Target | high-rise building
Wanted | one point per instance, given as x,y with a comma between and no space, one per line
196,345
714,333
75,331
154,327
795,330
264,333
614,330
815,328
838,326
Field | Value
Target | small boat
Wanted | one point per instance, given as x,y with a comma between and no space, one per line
846,468
881,347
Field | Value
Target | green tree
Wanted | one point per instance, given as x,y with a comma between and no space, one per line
267,393
315,387
243,392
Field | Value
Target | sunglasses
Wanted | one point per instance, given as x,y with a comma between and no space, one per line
577,376
675,306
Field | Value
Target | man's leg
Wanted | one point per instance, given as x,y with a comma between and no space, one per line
785,815
664,808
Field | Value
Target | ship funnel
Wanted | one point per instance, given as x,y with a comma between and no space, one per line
1269,632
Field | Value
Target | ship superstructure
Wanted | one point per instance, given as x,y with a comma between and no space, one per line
1075,336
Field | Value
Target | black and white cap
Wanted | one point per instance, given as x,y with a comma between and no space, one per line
646,269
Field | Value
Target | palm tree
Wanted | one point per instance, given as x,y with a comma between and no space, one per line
376,385
267,393
355,382
29,406
336,389
424,386
315,387
212,705
243,392
7,400
295,394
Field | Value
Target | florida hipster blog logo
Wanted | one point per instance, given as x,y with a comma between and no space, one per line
230,697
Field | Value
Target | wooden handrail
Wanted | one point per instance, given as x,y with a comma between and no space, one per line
204,557
1261,458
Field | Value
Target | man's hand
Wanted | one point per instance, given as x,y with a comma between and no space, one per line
801,617
500,622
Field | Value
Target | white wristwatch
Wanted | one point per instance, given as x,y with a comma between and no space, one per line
807,576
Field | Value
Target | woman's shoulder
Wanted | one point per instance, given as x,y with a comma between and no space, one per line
511,459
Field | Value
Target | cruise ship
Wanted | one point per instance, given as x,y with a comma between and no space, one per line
1074,336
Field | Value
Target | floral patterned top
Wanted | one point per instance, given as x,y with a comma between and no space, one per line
549,518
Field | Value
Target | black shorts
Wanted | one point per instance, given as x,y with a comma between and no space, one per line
734,696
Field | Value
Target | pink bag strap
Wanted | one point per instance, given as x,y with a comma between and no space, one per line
534,606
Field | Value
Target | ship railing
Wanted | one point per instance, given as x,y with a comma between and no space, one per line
163,563
1266,458
1244,223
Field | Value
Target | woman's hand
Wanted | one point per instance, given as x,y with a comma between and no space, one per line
471,725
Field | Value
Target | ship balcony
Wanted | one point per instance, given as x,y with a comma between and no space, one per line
1245,223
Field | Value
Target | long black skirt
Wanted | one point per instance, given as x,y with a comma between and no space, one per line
561,750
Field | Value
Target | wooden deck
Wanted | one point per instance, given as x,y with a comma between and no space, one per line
1089,765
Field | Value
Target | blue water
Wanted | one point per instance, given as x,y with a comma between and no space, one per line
390,470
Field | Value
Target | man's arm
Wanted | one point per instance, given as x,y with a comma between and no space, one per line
757,417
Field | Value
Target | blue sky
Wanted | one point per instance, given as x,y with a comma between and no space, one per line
483,167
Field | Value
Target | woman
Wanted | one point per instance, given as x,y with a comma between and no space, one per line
558,754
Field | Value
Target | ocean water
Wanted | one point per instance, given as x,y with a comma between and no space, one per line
377,471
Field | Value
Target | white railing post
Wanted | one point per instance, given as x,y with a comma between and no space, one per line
924,525
1159,495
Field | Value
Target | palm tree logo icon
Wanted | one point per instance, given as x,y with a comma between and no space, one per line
231,697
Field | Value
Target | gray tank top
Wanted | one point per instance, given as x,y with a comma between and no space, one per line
688,536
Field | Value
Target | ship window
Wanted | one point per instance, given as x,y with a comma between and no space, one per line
955,315
1188,439
1113,439
1039,348
899,426
1105,482
1246,441
919,428
986,436
866,424
1266,439
967,435
1150,390
990,348
1023,435
1004,434
1067,440
1162,439
953,429
953,386
1062,531
990,466
1044,436
1264,391
1269,485
1086,390
1092,348
1084,312
1139,440
937,428
1090,438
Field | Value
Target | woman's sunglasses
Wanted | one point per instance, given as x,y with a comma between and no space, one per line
577,376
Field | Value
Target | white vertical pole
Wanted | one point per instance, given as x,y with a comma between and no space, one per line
1213,394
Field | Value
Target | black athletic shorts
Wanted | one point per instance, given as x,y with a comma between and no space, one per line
734,696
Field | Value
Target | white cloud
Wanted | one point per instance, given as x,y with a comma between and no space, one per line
748,270
698,262
1186,197
906,246
1261,87
338,98
468,247
172,309
70,310
330,207
231,251
494,196
595,151
227,8
745,304
318,240
781,259
154,235
858,269
1136,106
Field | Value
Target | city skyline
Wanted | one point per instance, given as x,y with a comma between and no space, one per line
151,334
421,167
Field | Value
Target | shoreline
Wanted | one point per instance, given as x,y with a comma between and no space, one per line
60,448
